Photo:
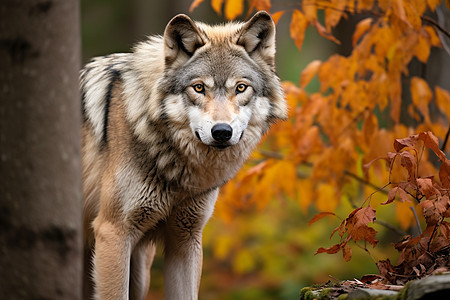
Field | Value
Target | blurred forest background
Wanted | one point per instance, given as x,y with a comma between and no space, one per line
267,251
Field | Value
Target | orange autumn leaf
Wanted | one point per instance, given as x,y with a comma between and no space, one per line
259,5
333,13
421,96
298,26
320,216
233,9
277,16
323,32
309,9
194,5
433,36
309,72
365,4
361,28
443,100
433,3
217,6
422,48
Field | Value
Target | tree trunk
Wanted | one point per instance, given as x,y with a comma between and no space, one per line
40,177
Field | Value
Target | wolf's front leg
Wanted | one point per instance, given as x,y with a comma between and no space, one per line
182,268
183,247
112,261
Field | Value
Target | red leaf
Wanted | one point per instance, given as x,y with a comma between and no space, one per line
402,195
385,268
340,229
444,174
332,250
410,142
356,225
408,161
347,252
426,188
432,142
319,216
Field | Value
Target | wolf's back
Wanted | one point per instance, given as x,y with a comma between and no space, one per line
97,80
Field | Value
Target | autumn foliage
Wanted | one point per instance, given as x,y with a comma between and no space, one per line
353,131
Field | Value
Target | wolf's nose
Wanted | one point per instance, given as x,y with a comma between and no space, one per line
222,132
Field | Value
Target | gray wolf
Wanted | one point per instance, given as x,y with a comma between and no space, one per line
164,127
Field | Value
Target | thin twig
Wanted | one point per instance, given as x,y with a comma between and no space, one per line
367,250
379,190
362,180
417,220
446,139
433,233
391,227
436,24
271,154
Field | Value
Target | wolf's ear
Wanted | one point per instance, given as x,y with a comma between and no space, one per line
258,37
181,39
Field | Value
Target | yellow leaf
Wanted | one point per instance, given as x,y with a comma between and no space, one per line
327,200
244,261
305,193
309,72
334,12
222,246
217,6
233,8
447,3
194,4
361,28
298,27
443,100
404,214
309,9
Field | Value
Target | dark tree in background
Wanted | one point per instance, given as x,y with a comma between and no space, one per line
40,177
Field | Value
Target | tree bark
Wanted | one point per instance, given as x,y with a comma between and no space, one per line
40,177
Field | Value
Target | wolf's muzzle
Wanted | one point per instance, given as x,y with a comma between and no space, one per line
222,132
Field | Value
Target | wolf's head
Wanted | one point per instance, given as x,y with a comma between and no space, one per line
221,80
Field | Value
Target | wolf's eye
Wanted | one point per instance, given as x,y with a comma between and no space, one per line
240,88
199,88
